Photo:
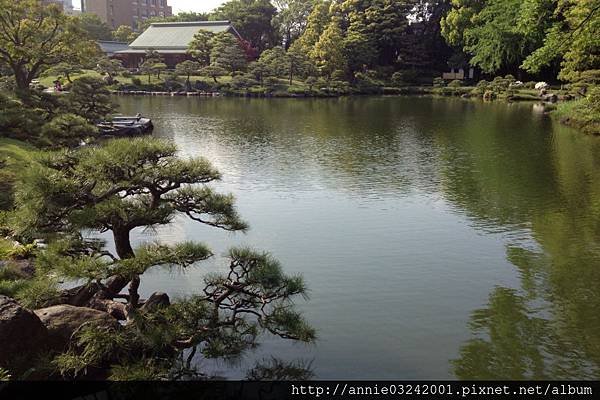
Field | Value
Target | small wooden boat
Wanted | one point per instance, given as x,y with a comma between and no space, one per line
126,126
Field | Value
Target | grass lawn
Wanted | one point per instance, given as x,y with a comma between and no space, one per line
48,81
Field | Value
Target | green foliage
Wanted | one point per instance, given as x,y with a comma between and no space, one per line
124,33
366,82
455,84
292,18
39,292
90,99
64,69
52,38
255,296
328,52
95,28
158,68
571,39
227,53
278,370
316,23
213,71
274,62
201,46
252,19
68,130
187,68
110,68
16,120
583,114
498,33
404,78
14,157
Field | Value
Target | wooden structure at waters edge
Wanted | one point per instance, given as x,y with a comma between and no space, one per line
459,74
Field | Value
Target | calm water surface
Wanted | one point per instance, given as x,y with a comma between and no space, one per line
439,238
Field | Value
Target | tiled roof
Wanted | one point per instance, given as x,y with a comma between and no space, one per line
109,47
177,35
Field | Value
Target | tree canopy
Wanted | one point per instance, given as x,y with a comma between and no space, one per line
34,37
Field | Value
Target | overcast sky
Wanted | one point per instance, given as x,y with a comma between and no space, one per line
194,5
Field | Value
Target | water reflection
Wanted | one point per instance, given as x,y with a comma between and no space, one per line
550,327
405,215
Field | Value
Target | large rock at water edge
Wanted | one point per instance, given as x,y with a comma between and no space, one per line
22,333
63,320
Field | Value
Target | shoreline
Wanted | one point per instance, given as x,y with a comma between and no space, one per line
409,91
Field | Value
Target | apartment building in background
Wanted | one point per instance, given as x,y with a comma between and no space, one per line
126,12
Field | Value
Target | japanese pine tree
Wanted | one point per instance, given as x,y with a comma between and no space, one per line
128,184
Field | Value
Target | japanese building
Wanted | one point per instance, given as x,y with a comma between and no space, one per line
171,40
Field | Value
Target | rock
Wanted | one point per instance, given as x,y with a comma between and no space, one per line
63,320
22,333
156,300
551,98
20,269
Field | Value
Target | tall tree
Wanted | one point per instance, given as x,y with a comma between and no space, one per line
315,25
200,47
329,51
33,37
292,18
253,19
573,38
226,52
124,33
497,34
109,68
188,68
381,22
95,27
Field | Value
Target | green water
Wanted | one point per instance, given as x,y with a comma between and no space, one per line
439,238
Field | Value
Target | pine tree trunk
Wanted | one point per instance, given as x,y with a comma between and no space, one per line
123,243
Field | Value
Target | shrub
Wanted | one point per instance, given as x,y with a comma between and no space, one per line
404,78
509,78
593,99
270,83
18,121
311,81
481,87
338,75
126,74
67,130
243,81
339,87
590,77
489,95
455,84
203,86
136,81
366,83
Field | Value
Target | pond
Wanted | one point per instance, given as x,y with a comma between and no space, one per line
440,238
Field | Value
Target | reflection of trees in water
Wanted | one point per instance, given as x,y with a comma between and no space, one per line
497,164
550,327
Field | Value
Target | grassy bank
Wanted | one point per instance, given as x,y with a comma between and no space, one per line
580,115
